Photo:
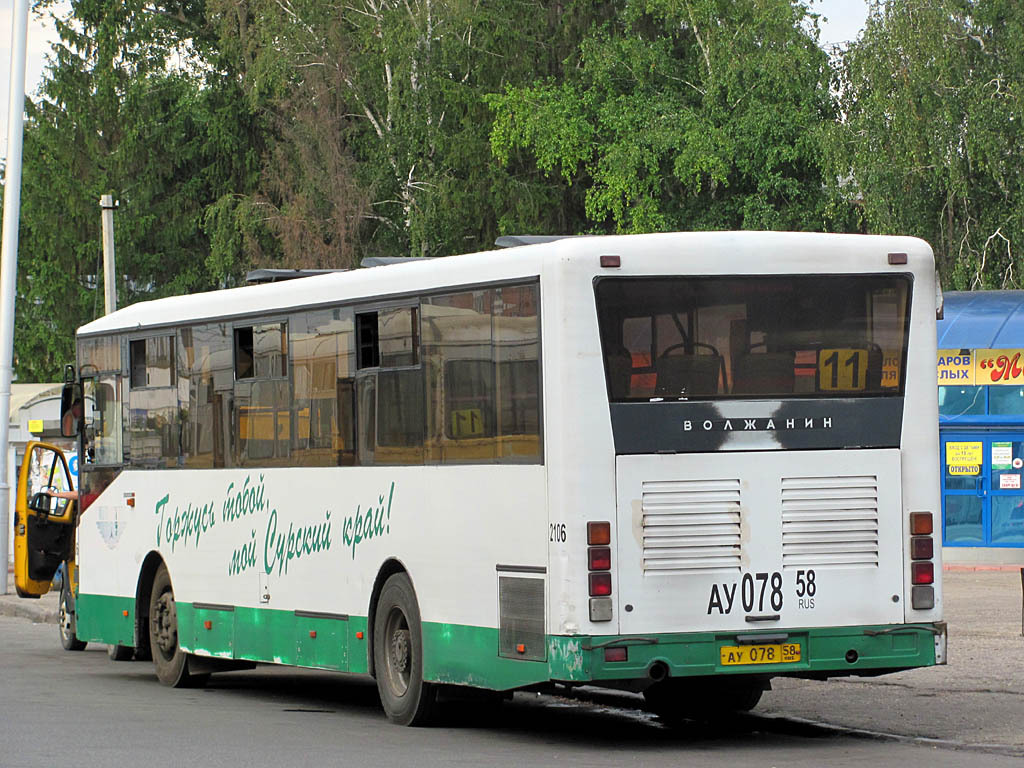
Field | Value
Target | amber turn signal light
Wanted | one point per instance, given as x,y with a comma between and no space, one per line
920,523
599,533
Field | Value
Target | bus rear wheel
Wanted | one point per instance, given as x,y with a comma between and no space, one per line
398,655
68,637
680,699
120,652
170,662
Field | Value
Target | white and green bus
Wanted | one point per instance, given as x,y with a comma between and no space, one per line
681,464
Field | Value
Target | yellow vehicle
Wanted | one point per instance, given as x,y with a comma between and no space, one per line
44,533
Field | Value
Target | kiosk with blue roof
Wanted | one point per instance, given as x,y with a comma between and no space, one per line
981,425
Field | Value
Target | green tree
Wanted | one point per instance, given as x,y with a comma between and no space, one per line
380,127
119,114
932,141
700,114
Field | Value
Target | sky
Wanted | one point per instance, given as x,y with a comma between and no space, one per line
843,21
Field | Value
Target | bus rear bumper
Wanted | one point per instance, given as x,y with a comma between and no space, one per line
822,652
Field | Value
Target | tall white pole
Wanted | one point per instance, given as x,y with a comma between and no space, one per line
109,272
9,264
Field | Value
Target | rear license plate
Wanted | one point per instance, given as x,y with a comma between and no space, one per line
783,653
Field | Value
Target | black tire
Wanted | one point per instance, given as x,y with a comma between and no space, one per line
120,652
170,662
703,700
66,618
398,655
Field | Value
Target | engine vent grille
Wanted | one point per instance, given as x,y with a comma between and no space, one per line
691,526
830,521
521,618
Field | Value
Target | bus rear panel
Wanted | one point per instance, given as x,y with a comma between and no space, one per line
772,425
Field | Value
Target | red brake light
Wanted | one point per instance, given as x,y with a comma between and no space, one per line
599,558
601,584
616,654
920,573
920,523
921,548
610,261
599,533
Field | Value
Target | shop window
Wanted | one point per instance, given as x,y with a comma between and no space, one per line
1006,401
961,400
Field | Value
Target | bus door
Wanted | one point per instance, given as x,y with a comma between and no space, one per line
982,494
44,525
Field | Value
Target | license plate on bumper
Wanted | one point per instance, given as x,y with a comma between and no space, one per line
782,653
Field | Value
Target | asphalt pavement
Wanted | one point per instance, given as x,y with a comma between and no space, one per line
975,701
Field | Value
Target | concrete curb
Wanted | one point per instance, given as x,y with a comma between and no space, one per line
980,567
41,611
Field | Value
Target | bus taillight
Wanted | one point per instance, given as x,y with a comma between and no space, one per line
922,573
921,548
600,558
599,533
600,584
922,569
599,565
920,523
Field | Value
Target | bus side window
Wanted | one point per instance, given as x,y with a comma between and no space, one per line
102,420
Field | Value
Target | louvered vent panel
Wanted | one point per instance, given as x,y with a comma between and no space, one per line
691,526
830,522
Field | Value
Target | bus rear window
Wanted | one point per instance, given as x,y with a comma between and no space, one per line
754,336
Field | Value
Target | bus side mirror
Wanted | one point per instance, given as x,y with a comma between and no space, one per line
70,409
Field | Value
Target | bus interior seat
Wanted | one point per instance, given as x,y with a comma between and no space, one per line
683,375
620,370
768,373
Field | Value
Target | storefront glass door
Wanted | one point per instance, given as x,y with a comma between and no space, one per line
982,497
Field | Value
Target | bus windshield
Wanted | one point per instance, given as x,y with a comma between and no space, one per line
753,336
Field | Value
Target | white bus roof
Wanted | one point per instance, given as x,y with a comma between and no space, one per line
759,252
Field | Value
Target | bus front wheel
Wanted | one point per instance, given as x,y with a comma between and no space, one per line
170,661
398,655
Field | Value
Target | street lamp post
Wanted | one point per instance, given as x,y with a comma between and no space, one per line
9,264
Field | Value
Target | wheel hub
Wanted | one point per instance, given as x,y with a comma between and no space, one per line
65,619
400,650
165,624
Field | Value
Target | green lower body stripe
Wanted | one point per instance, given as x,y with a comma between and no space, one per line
466,655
